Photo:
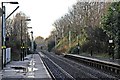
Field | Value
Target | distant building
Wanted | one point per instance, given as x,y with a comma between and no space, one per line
41,44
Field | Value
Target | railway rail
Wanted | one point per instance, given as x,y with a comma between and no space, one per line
56,72
63,68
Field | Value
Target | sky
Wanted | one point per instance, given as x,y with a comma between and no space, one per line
42,13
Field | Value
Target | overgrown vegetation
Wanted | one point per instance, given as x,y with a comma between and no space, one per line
91,25
13,35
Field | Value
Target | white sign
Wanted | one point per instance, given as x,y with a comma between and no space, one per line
110,41
8,55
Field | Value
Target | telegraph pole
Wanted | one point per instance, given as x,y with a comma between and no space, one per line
21,55
32,43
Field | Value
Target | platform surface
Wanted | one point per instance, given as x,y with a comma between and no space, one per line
31,68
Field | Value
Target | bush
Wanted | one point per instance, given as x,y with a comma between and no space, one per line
51,45
74,50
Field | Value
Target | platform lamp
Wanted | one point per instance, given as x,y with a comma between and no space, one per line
4,30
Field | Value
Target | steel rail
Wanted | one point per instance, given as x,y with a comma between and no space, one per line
63,71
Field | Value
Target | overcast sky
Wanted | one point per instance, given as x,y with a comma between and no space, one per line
42,13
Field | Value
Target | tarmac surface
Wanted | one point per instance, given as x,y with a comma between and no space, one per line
31,68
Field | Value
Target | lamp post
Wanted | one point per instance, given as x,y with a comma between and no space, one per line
27,40
22,44
78,44
69,37
1,12
111,48
4,32
32,44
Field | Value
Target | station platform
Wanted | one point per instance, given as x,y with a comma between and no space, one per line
109,60
31,68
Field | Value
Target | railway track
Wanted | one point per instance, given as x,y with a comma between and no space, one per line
56,72
63,69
